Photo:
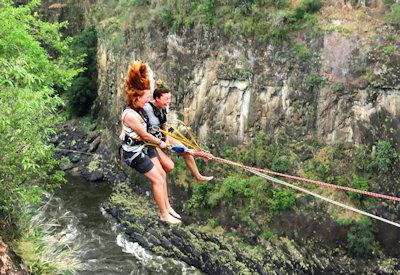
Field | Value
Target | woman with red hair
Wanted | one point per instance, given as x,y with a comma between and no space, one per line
135,136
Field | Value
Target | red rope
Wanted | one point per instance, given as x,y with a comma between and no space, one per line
207,155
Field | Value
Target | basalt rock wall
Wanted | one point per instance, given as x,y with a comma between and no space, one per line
235,88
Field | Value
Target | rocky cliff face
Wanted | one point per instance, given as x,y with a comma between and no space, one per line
342,84
238,87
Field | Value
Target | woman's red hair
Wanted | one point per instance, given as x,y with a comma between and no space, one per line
136,82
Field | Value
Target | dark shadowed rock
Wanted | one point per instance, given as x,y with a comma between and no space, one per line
94,145
92,136
74,158
96,176
66,166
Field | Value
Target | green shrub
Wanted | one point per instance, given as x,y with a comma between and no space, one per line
83,90
326,165
394,15
80,96
206,12
302,52
315,80
281,164
267,234
280,4
199,198
281,199
232,188
336,151
363,160
361,184
385,156
245,196
341,180
254,154
263,19
360,239
165,16
337,87
319,170
307,6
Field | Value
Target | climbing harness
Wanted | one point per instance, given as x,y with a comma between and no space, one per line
156,118
131,143
161,114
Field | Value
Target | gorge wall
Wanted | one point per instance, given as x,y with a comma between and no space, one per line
340,83
236,87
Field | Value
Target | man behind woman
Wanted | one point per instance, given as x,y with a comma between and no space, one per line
156,111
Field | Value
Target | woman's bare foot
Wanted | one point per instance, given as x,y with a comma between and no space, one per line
169,219
173,213
203,178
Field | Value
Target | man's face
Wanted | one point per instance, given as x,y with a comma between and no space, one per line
164,101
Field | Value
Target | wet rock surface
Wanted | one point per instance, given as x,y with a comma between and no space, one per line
83,154
215,252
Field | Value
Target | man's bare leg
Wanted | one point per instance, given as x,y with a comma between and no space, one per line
190,162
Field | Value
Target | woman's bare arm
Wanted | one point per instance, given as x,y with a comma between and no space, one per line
133,121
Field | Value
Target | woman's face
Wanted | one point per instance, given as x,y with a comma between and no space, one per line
163,101
143,99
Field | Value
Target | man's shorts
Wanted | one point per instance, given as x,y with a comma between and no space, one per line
142,163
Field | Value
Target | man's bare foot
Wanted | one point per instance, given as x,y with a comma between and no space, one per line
169,219
173,213
203,178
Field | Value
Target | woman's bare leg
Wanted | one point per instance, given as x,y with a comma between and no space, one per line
157,186
170,210
166,162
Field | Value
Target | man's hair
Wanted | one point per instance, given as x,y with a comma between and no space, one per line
160,90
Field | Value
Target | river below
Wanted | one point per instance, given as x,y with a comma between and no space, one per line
100,244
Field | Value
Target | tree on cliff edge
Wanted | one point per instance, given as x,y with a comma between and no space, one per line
34,61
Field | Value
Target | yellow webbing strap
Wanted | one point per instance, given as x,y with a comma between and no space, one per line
190,134
184,141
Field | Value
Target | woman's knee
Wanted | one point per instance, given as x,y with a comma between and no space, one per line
168,167
155,176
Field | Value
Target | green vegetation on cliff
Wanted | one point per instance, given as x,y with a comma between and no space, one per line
83,90
35,63
394,15
253,204
264,20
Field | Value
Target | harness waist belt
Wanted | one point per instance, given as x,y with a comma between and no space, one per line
132,142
